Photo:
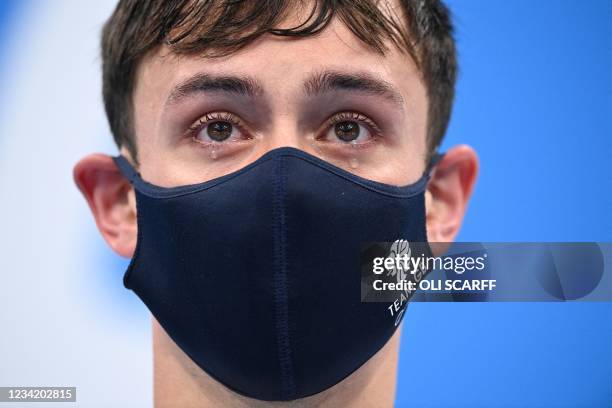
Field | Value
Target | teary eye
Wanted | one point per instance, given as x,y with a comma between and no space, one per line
218,127
219,130
349,128
347,131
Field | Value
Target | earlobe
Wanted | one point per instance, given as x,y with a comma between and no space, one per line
448,193
111,200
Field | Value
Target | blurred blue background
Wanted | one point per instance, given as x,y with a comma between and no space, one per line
534,98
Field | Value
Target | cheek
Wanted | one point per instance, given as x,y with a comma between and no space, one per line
403,162
404,170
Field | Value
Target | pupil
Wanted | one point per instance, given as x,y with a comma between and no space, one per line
347,131
219,130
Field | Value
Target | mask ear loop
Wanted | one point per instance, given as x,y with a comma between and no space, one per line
435,159
126,168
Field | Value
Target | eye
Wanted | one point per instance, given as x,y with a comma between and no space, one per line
349,128
219,130
218,127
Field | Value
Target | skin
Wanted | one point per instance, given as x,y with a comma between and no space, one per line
281,113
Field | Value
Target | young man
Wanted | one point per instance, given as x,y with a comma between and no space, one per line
262,141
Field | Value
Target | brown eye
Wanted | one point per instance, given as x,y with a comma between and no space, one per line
219,130
347,131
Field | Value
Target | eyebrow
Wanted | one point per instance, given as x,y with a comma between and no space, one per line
203,82
329,81
318,83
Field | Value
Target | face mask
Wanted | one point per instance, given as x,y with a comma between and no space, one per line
255,275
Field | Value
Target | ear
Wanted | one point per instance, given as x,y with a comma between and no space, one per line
448,192
111,200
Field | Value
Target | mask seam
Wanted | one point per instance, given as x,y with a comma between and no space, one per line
280,281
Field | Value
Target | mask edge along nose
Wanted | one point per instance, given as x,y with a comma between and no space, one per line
155,191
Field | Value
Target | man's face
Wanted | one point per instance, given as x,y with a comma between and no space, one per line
330,95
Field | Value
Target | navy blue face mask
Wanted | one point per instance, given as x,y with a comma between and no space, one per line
255,275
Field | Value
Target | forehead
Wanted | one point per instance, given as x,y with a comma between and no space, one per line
278,61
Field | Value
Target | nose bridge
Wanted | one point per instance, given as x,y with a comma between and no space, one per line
284,132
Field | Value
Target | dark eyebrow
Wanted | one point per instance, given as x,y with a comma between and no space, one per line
327,81
202,82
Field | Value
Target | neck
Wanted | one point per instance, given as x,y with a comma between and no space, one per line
179,382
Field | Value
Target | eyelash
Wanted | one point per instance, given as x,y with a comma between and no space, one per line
336,118
194,129
356,116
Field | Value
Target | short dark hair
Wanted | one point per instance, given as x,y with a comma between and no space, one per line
220,27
